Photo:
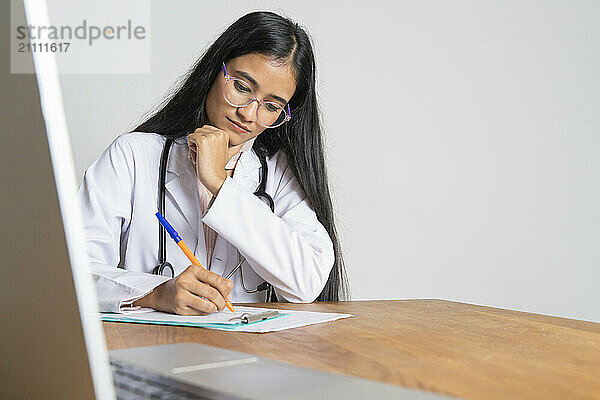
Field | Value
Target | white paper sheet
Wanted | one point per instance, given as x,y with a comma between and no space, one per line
295,319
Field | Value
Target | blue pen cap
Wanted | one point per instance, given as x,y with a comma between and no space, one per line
168,227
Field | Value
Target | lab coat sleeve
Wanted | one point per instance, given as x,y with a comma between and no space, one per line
106,198
289,248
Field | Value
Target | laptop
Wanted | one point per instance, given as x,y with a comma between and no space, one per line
53,345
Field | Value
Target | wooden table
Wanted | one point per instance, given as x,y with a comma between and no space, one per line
463,350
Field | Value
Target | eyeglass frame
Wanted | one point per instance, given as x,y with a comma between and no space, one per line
228,78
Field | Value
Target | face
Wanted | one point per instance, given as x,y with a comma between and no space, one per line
269,81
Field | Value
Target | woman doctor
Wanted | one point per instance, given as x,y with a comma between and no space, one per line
248,105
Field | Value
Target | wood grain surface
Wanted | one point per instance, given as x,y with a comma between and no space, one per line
462,350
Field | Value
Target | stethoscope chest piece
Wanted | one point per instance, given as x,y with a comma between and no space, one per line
165,269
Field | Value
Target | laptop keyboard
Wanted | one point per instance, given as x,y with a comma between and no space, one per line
133,383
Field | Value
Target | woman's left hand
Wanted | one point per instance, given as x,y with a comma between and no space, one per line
209,148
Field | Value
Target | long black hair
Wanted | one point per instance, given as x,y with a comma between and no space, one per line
283,41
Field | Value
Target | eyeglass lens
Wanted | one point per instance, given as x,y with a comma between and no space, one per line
239,94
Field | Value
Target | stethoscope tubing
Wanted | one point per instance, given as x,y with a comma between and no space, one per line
162,238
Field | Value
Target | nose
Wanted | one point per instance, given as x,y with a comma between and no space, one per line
249,112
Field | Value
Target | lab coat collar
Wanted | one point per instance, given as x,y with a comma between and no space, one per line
180,164
246,170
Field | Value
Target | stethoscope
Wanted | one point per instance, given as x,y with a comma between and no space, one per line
165,268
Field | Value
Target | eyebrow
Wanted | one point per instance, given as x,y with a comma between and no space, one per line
253,81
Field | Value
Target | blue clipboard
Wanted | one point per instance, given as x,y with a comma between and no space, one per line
245,319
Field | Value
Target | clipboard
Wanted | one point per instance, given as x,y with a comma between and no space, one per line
243,319
247,318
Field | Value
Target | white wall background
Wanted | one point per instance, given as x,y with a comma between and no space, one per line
467,165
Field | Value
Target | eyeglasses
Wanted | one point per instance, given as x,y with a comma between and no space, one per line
239,93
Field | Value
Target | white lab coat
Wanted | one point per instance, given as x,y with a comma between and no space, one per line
289,248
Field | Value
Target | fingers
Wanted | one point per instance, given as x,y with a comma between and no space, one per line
206,126
190,304
199,290
209,134
222,285
204,134
207,138
189,294
206,130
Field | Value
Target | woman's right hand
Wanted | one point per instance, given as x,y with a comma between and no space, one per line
196,291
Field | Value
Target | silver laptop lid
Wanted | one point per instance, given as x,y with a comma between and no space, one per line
52,345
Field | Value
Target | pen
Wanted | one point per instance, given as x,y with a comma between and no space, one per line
175,236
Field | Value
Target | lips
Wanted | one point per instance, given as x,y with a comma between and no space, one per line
238,124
